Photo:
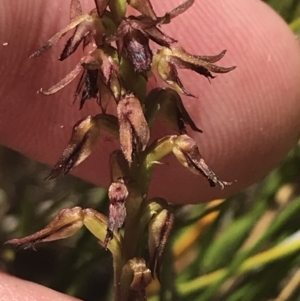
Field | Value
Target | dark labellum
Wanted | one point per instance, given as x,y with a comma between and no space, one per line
91,87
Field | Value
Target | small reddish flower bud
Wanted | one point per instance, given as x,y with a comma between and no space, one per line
117,194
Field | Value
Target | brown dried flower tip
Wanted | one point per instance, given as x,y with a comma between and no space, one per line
117,194
168,60
186,151
134,131
86,26
133,34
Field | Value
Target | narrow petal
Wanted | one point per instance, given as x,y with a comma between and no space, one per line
101,6
181,9
72,44
209,58
181,64
60,34
218,69
175,12
200,64
159,37
64,82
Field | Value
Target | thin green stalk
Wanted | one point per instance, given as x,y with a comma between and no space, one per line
118,9
131,233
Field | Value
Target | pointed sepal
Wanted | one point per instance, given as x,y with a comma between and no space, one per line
51,42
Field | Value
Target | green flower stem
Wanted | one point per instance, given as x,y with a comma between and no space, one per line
118,9
155,152
138,193
97,226
256,261
158,150
134,82
131,228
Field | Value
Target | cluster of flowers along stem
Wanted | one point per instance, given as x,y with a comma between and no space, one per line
115,68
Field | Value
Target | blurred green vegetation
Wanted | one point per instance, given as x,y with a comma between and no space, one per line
244,248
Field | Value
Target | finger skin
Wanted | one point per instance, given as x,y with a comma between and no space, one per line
250,117
12,288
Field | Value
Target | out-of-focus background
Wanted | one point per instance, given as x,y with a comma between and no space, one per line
244,248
